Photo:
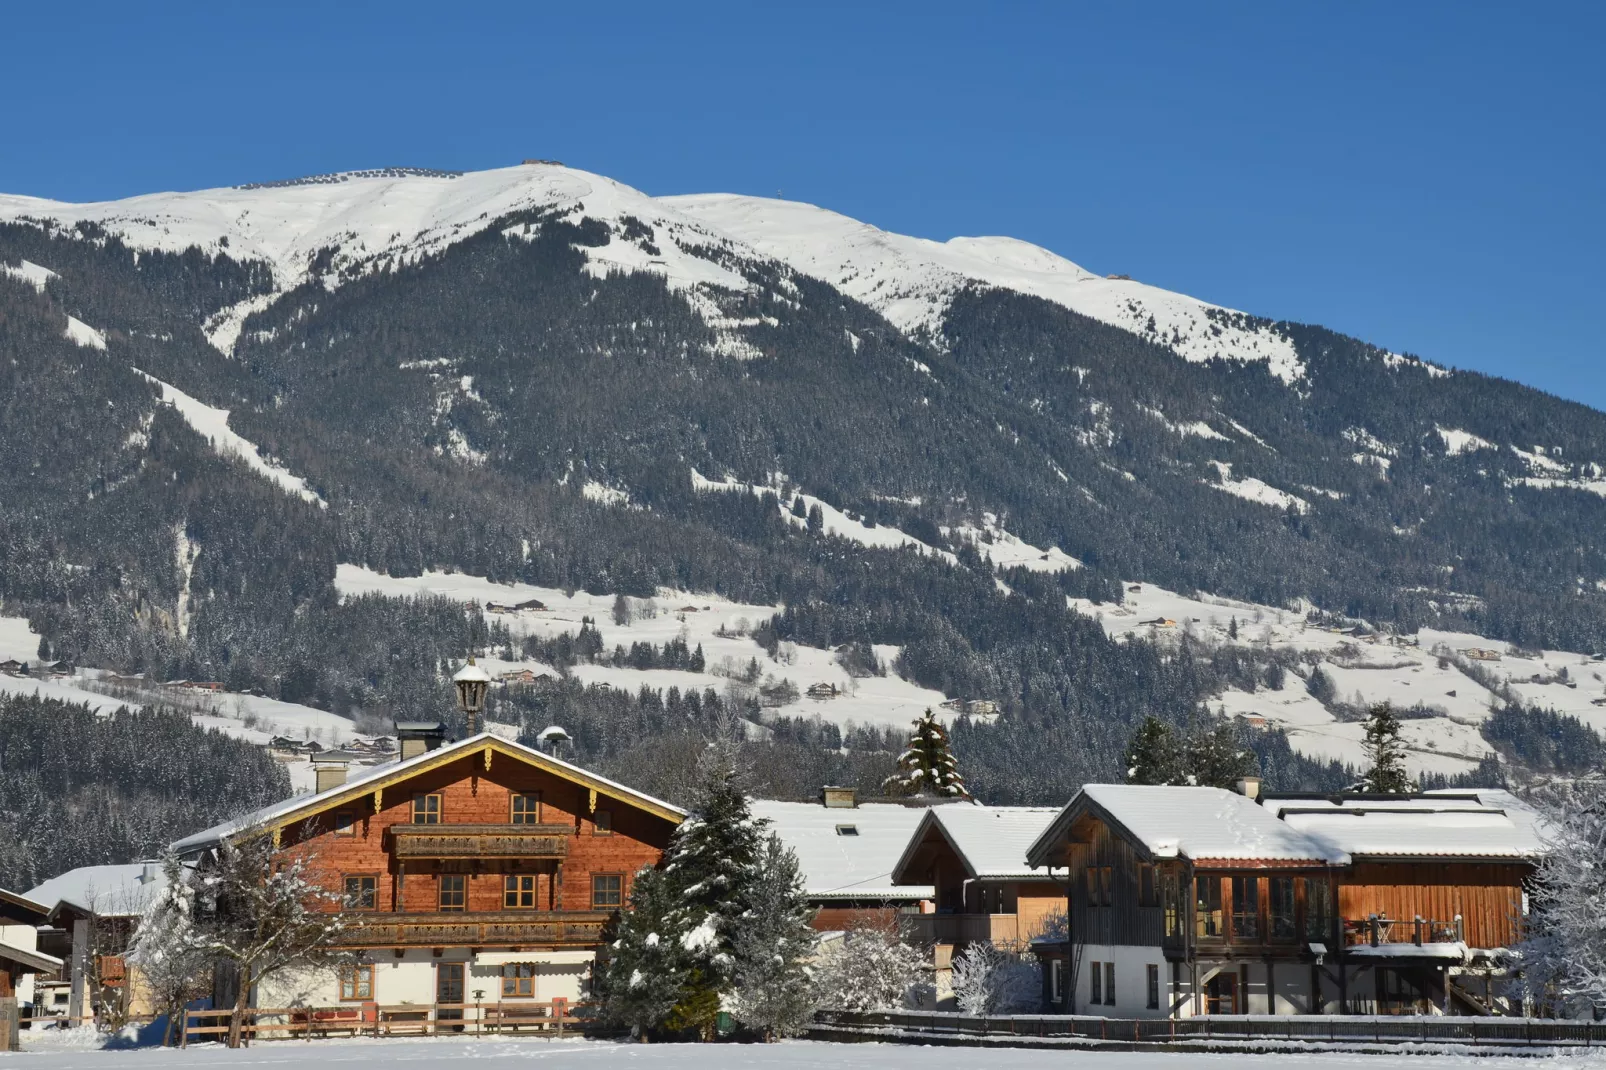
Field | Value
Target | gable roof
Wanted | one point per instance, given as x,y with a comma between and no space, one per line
991,841
1192,823
24,908
856,866
118,891
384,775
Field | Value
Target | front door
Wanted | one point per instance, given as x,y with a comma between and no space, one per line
1221,994
449,989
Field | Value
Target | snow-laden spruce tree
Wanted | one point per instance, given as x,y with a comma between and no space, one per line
262,911
870,969
170,951
1213,757
639,976
1563,958
927,765
1385,749
772,990
987,979
1153,757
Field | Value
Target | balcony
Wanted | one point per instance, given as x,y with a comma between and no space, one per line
1381,931
509,928
468,842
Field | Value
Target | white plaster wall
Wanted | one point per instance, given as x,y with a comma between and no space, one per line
24,938
411,979
1131,981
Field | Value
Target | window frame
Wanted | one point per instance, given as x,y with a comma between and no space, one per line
1208,908
460,882
523,976
345,823
1282,911
345,895
602,822
1095,977
351,976
1152,981
1109,984
423,797
1056,981
1245,909
511,889
531,815
617,893
1318,920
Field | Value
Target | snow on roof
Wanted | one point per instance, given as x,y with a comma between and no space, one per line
115,891
387,770
1450,824
992,840
33,959
1196,823
847,866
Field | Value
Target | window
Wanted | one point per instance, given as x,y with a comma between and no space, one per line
1245,908
1318,909
602,822
518,980
1172,890
1146,896
1056,979
847,830
519,891
1153,987
607,890
1096,977
1207,907
1109,984
427,809
362,893
1099,879
1105,881
345,823
454,892
357,981
1282,908
526,809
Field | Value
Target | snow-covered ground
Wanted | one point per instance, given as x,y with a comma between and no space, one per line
360,1054
720,626
18,641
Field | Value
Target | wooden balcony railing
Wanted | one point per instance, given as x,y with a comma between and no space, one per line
1377,930
480,841
511,928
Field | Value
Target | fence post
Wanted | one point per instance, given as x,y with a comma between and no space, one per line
184,1029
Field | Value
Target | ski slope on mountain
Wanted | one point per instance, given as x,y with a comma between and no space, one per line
911,281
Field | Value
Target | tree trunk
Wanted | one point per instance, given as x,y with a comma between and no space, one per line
237,1019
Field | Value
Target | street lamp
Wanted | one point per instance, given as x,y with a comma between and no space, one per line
471,682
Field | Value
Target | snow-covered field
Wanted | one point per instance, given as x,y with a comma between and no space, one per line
796,1055
697,618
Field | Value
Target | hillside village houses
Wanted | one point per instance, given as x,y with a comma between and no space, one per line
484,870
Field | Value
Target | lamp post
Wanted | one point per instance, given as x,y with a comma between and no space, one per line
471,682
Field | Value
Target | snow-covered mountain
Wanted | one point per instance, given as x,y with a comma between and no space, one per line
337,227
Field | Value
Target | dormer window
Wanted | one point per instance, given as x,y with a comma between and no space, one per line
847,830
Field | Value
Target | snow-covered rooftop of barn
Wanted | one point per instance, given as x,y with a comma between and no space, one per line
258,818
847,865
113,891
1459,825
993,839
1184,822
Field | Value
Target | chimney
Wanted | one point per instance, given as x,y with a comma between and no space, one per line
330,773
1248,787
839,798
417,737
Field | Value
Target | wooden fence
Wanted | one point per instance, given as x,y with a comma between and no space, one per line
1327,1029
555,1019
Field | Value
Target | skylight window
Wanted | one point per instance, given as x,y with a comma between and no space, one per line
847,830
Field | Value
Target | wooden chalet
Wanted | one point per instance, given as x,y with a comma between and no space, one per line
1185,901
20,961
480,869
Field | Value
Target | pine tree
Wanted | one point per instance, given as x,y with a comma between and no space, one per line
1386,750
713,863
927,765
1213,758
771,988
1152,757
643,967
170,952
1564,955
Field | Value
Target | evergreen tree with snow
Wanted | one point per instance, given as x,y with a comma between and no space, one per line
1213,757
927,765
170,951
639,976
772,991
1386,750
1563,957
1152,757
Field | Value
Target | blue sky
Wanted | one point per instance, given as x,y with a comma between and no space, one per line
1425,176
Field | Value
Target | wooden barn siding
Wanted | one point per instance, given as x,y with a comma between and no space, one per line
472,795
1124,921
1487,896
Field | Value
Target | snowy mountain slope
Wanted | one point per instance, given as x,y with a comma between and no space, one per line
912,280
